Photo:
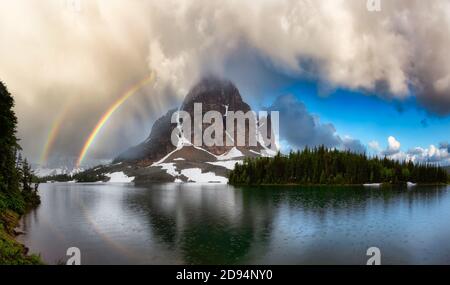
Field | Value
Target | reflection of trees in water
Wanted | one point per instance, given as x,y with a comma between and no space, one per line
426,196
207,224
221,224
318,200
164,226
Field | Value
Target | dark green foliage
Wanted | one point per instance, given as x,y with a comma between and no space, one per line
17,188
29,189
87,176
8,143
56,178
82,177
323,166
18,192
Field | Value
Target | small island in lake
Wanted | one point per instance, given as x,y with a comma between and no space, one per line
322,166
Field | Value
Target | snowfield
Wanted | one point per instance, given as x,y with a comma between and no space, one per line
119,177
196,175
169,168
233,153
43,172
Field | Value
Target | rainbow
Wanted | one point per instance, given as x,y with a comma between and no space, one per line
53,133
132,90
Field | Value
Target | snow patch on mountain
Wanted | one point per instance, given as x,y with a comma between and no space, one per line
169,168
196,175
233,153
119,177
44,171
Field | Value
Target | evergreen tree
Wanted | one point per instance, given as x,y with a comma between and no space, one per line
323,166
17,191
8,143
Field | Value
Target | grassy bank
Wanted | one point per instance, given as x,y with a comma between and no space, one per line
12,252
11,209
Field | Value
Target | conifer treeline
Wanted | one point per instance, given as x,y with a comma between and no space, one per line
322,166
17,188
18,192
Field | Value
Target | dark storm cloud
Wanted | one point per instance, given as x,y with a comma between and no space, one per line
353,145
51,54
299,128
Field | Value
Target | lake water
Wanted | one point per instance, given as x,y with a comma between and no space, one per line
220,224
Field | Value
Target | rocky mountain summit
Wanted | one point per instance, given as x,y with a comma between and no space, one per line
215,95
157,159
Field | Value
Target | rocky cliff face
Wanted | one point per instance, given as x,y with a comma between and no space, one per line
158,160
215,95
156,146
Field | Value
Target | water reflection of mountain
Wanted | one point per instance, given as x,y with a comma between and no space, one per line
217,224
206,224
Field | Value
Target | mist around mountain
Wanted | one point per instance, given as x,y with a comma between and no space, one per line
63,165
157,159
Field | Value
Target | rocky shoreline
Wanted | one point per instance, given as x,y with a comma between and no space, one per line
11,251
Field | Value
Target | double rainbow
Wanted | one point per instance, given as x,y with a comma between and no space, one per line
53,133
132,90
60,119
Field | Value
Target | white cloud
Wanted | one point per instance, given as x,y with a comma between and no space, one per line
299,128
393,147
394,144
375,146
432,154
338,42
52,55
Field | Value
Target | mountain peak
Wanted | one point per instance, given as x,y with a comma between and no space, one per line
214,93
